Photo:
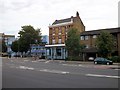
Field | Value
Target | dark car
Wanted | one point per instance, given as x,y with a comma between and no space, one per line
100,60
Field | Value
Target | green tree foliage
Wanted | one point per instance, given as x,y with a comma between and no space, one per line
14,46
4,47
73,45
28,35
105,43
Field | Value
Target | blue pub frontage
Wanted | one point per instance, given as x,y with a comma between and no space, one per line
56,52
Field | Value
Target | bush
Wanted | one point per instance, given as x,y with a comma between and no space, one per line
115,59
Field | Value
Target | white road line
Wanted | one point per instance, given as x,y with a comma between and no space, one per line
34,61
108,76
9,64
47,61
28,68
116,69
26,60
54,71
22,67
72,65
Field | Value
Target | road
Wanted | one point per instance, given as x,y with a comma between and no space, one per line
27,73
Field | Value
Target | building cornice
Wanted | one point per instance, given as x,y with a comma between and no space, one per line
61,24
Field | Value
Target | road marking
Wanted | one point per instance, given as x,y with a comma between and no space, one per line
9,64
28,68
116,69
47,61
26,60
41,60
96,75
72,65
54,71
34,61
22,67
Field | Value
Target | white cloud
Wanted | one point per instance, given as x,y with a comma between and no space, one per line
96,14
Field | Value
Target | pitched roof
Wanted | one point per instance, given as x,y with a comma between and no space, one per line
95,32
62,21
67,20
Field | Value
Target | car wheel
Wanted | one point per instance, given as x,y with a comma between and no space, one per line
108,63
95,62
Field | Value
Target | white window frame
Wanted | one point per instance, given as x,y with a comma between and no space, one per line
82,38
94,36
53,41
87,46
86,37
60,41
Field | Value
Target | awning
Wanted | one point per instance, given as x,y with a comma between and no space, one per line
55,45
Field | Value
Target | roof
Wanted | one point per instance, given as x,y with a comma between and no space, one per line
67,20
62,21
95,32
9,35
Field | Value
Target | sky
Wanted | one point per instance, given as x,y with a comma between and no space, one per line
95,14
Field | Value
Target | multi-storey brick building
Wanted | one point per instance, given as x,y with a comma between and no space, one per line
88,38
58,34
58,30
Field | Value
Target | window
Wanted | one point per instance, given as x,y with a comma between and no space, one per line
60,30
87,46
86,37
53,37
60,33
53,41
58,51
82,37
66,27
59,41
66,32
94,36
53,34
59,36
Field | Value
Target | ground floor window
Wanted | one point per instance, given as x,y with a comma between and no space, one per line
58,51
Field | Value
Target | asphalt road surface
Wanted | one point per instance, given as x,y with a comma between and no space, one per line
27,73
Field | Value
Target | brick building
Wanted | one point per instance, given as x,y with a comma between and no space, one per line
88,38
58,34
58,30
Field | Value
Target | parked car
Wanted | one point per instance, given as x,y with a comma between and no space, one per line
100,60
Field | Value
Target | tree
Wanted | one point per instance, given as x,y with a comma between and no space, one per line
14,46
4,47
105,43
73,45
28,36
